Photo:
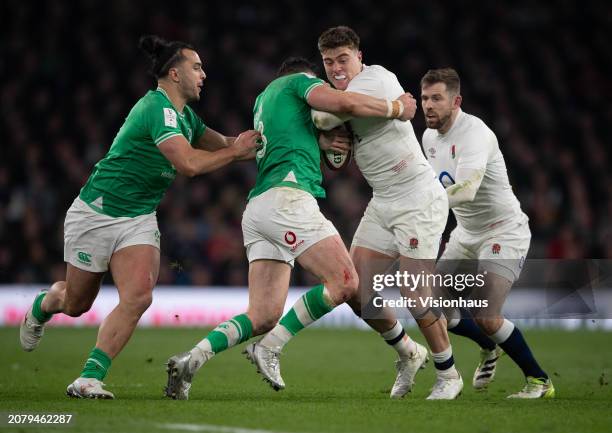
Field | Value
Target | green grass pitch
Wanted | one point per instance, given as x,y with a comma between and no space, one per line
337,381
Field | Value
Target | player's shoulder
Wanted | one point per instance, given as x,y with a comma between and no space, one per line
376,72
153,99
474,124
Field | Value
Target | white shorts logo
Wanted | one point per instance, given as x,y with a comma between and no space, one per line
170,117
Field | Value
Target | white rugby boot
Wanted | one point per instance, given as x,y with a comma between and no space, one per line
179,376
30,331
536,388
446,388
407,368
267,362
88,387
485,372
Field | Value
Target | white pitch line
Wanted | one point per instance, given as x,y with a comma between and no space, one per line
211,428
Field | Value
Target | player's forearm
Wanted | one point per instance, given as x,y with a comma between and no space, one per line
218,145
464,191
324,98
202,161
358,105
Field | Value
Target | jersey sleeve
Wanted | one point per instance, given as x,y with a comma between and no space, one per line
198,128
161,122
304,83
473,151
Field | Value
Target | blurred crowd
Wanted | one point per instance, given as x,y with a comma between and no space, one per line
537,74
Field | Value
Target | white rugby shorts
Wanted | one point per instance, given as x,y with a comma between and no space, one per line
411,226
282,223
91,238
501,250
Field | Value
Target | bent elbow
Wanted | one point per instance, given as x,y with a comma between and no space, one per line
187,170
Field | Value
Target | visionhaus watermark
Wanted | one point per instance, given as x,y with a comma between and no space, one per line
535,289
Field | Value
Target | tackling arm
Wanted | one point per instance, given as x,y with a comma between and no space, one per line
324,98
192,162
211,140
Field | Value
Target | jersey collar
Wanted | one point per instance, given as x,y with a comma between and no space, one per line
163,92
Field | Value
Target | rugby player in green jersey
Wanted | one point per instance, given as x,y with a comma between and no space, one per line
282,222
112,223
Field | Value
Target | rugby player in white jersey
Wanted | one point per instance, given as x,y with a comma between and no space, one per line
491,227
404,219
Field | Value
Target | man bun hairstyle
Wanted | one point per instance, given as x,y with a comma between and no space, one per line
448,76
341,36
293,65
163,54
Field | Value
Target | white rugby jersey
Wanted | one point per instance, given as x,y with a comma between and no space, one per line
387,151
471,144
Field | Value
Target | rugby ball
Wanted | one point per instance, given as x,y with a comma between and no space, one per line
336,160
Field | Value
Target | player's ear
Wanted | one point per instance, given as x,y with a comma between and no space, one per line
360,56
173,74
457,101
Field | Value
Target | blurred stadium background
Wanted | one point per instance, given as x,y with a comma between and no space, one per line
539,75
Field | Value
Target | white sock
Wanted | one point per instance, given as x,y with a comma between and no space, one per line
201,353
503,332
276,338
400,341
442,357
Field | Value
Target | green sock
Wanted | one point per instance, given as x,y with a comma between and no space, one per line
309,308
227,334
37,311
97,364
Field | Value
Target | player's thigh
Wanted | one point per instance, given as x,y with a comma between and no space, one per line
372,233
418,223
329,260
135,269
458,260
494,291
268,286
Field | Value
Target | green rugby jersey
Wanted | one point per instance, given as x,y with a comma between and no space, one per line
134,175
290,153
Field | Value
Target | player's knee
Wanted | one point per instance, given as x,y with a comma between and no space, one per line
344,289
489,325
140,302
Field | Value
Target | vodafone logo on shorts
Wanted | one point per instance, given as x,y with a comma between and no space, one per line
290,238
